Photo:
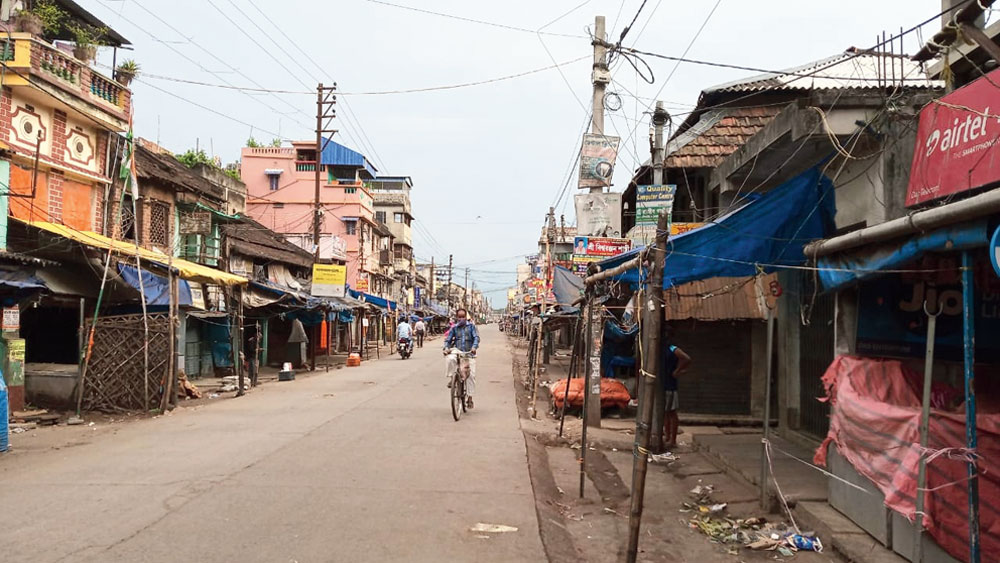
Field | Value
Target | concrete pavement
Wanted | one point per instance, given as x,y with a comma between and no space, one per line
361,464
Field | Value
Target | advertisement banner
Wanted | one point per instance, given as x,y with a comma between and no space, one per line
597,160
418,293
599,215
329,280
892,322
651,200
957,137
595,249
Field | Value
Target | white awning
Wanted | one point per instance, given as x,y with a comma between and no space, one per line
273,171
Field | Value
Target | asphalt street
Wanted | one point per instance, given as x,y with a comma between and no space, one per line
358,464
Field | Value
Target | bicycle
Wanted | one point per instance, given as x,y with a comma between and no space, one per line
459,396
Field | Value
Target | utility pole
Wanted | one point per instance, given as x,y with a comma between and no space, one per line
600,77
325,100
465,295
433,296
660,117
549,220
449,283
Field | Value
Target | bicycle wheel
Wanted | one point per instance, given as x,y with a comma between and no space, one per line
464,398
457,397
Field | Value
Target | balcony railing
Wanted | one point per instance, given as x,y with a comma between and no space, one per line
305,165
69,74
272,150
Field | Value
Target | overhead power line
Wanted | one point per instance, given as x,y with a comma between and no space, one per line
471,20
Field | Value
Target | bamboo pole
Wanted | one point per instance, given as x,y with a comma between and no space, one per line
652,313
574,363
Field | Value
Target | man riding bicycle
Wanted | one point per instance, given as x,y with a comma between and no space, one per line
465,338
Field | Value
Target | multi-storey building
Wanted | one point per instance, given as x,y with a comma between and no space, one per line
392,209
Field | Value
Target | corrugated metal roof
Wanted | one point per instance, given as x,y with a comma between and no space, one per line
336,154
716,299
718,133
850,69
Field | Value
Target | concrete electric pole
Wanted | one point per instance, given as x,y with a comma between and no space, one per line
600,77
449,283
660,118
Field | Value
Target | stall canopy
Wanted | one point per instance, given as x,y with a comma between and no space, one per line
20,279
765,234
187,270
567,287
839,270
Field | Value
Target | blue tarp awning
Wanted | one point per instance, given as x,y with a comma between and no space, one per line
839,270
374,300
762,235
155,287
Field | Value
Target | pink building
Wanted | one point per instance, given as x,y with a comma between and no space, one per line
281,186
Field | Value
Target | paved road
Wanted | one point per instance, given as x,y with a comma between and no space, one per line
361,464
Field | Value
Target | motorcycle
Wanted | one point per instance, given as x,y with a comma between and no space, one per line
405,347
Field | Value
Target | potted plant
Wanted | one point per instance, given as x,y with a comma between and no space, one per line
87,39
40,16
126,71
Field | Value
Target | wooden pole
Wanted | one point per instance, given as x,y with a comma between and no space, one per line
766,428
574,363
168,385
652,316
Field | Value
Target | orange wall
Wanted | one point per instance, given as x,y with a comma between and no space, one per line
77,205
25,208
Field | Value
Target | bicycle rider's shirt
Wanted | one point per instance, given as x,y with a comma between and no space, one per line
465,338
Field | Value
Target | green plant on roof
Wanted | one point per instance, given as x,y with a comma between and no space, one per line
50,14
253,144
86,35
193,158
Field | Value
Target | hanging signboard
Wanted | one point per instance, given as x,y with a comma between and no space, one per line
595,249
599,215
597,160
329,280
641,235
651,200
957,140
362,284
195,223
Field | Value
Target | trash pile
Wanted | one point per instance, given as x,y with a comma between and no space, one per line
754,533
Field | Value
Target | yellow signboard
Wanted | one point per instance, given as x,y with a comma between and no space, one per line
329,280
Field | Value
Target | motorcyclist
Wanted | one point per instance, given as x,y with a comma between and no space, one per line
464,337
405,332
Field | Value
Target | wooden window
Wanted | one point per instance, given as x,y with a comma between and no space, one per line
352,227
380,216
159,223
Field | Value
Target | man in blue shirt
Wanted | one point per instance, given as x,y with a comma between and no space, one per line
464,337
674,362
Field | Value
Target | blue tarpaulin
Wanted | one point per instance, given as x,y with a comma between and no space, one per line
374,300
155,287
837,271
567,287
769,232
20,279
218,335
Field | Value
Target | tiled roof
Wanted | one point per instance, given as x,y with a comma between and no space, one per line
716,135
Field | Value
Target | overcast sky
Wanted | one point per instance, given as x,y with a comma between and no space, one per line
486,161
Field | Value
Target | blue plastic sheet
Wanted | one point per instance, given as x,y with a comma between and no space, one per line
155,287
218,335
767,233
839,270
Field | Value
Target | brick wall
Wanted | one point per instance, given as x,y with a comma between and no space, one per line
59,137
55,196
5,113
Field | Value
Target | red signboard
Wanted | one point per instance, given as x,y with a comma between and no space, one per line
957,142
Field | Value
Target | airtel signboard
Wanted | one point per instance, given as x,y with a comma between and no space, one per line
957,142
